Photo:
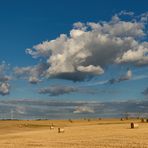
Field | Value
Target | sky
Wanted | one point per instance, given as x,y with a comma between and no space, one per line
81,58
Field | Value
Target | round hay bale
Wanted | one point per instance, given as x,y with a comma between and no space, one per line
61,130
134,125
142,120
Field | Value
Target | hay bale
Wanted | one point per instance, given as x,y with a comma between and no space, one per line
142,120
61,130
134,125
51,127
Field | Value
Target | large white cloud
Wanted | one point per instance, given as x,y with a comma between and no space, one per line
90,47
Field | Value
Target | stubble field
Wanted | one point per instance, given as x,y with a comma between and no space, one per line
105,133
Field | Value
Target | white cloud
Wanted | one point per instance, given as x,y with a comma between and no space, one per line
92,46
91,69
74,33
5,78
138,56
80,26
33,80
4,88
83,109
127,76
42,50
124,77
20,109
124,12
144,17
34,74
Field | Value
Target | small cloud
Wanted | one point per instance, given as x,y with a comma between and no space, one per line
32,73
124,12
83,109
144,17
4,79
57,90
97,70
4,89
20,109
125,77
33,80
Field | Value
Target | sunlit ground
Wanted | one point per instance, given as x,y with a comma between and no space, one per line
104,133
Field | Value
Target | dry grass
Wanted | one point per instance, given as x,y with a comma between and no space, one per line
109,133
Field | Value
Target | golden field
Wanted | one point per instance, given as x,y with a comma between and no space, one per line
105,133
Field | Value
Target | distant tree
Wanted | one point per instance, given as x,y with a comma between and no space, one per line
139,114
126,115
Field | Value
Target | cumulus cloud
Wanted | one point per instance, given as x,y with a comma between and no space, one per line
4,88
139,56
144,17
5,78
80,26
32,73
33,80
91,69
43,50
83,109
125,77
3,72
92,46
124,12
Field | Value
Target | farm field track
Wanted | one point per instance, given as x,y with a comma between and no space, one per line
105,133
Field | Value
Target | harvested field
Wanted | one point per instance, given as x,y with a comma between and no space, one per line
105,133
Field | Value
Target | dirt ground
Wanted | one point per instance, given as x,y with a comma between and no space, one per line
105,133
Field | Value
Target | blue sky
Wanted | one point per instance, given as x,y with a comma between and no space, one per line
30,24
